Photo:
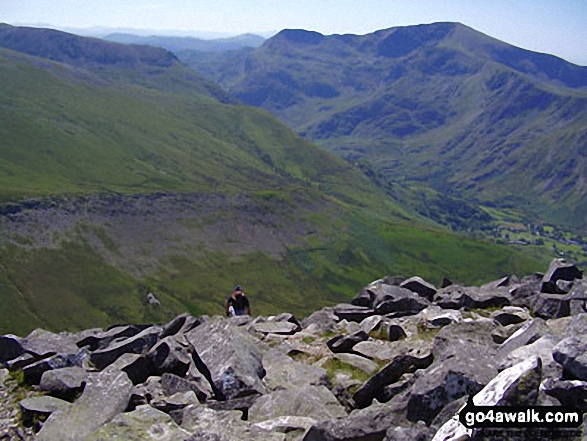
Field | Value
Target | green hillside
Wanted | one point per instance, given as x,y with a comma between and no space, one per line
437,105
120,181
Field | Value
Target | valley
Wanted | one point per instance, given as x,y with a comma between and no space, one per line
124,173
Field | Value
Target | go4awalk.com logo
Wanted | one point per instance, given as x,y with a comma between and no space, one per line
472,416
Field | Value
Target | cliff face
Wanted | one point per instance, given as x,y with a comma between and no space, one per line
398,362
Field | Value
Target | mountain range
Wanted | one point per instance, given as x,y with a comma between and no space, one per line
438,106
125,176
178,44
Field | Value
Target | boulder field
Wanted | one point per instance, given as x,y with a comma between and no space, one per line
399,362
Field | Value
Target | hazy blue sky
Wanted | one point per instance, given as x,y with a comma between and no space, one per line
553,26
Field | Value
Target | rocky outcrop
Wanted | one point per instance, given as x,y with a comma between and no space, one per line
399,363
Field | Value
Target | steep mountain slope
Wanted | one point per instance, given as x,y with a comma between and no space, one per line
117,181
437,104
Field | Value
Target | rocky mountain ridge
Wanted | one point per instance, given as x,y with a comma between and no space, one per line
397,363
438,105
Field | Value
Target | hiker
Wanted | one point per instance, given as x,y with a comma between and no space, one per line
237,303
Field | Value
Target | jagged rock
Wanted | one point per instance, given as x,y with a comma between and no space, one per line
420,287
397,302
176,401
223,425
499,283
231,357
559,269
417,432
371,423
527,334
446,282
284,373
10,348
20,362
137,367
146,392
294,426
144,423
65,383
571,393
357,362
106,395
39,408
170,355
541,348
364,298
100,340
501,333
457,297
388,392
321,321
511,315
465,372
396,332
371,324
387,351
316,402
400,365
33,372
453,339
242,404
345,311
137,344
549,306
286,317
345,343
512,387
181,324
172,384
571,354
434,316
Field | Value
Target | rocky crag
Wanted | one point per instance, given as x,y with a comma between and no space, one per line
397,363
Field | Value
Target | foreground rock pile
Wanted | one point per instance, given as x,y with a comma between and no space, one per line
397,363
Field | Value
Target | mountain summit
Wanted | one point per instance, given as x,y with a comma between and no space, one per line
439,104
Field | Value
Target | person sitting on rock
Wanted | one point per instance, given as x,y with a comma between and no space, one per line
237,304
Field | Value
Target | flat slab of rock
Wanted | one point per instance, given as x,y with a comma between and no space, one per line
44,343
358,362
281,328
352,313
316,402
282,372
41,407
387,351
223,425
106,395
294,426
144,423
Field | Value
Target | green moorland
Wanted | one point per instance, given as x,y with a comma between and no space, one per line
115,183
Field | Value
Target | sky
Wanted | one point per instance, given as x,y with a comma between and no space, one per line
556,27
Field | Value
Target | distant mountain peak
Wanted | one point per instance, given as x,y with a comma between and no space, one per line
300,36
